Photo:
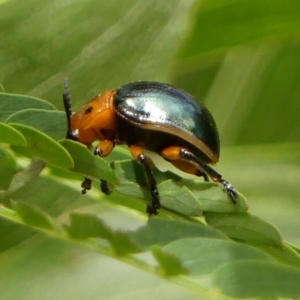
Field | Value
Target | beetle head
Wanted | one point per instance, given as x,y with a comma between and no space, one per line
95,121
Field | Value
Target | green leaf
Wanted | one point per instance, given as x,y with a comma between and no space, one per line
130,184
245,227
8,167
213,198
12,234
162,231
131,171
51,122
297,250
87,225
179,199
285,254
53,195
11,103
83,226
40,145
88,164
33,216
203,255
170,264
247,279
123,244
11,136
22,178
1,88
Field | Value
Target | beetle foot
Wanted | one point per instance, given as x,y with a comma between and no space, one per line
155,206
152,210
202,174
232,192
104,187
143,159
86,185
98,152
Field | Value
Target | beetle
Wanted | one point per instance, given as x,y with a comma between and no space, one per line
152,116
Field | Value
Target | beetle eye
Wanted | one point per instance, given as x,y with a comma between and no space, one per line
104,131
88,110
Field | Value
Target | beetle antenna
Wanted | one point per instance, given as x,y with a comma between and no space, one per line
68,109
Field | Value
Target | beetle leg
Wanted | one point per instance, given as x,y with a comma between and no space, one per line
177,153
104,187
139,155
103,149
187,155
205,176
189,168
86,185
172,154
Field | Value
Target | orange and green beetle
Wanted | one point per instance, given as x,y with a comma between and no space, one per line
153,116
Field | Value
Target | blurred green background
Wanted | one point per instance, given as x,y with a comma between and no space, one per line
241,58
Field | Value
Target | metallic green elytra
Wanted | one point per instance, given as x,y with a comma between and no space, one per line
162,108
